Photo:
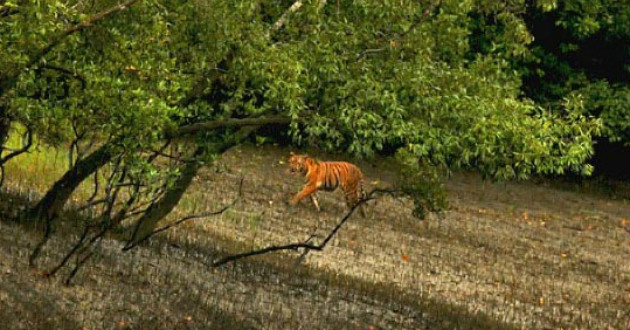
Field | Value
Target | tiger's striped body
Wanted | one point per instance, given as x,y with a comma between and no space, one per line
327,176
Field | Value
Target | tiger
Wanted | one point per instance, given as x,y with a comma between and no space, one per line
327,176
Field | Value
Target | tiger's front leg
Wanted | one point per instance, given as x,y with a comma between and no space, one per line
307,191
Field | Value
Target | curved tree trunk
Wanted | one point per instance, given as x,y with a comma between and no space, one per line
53,202
58,195
160,209
147,224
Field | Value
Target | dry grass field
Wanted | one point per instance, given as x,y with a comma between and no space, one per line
505,256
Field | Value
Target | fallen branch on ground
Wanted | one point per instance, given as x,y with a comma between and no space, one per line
305,244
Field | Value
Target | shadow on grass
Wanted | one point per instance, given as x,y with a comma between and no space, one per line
418,311
421,311
24,308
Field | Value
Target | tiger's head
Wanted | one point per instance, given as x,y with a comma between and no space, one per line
300,163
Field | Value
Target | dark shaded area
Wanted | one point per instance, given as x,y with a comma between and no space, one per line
611,160
601,56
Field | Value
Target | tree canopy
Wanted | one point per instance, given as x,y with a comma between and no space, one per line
438,81
580,51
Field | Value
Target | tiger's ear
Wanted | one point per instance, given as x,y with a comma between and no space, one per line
291,153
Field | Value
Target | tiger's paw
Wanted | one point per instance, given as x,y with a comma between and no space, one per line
293,202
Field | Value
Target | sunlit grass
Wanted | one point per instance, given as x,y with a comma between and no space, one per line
35,170
375,258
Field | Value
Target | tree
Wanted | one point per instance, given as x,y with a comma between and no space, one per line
32,86
580,54
361,77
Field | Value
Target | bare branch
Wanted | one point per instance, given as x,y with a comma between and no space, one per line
95,187
280,22
159,152
78,266
40,245
107,223
20,151
302,245
91,203
171,157
188,218
72,251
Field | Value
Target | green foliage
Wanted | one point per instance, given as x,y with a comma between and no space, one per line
422,182
433,78
581,49
612,105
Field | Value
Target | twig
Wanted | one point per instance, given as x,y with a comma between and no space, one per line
91,203
20,151
95,187
74,249
38,248
303,245
80,248
165,155
303,255
188,218
77,267
158,152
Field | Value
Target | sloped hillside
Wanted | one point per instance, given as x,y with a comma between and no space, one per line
516,255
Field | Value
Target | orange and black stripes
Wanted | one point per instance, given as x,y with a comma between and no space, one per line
327,176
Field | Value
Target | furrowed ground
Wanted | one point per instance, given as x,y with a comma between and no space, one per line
515,255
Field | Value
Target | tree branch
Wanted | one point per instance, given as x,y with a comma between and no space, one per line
75,248
1,175
76,28
20,151
228,122
188,218
414,25
67,72
280,22
304,245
